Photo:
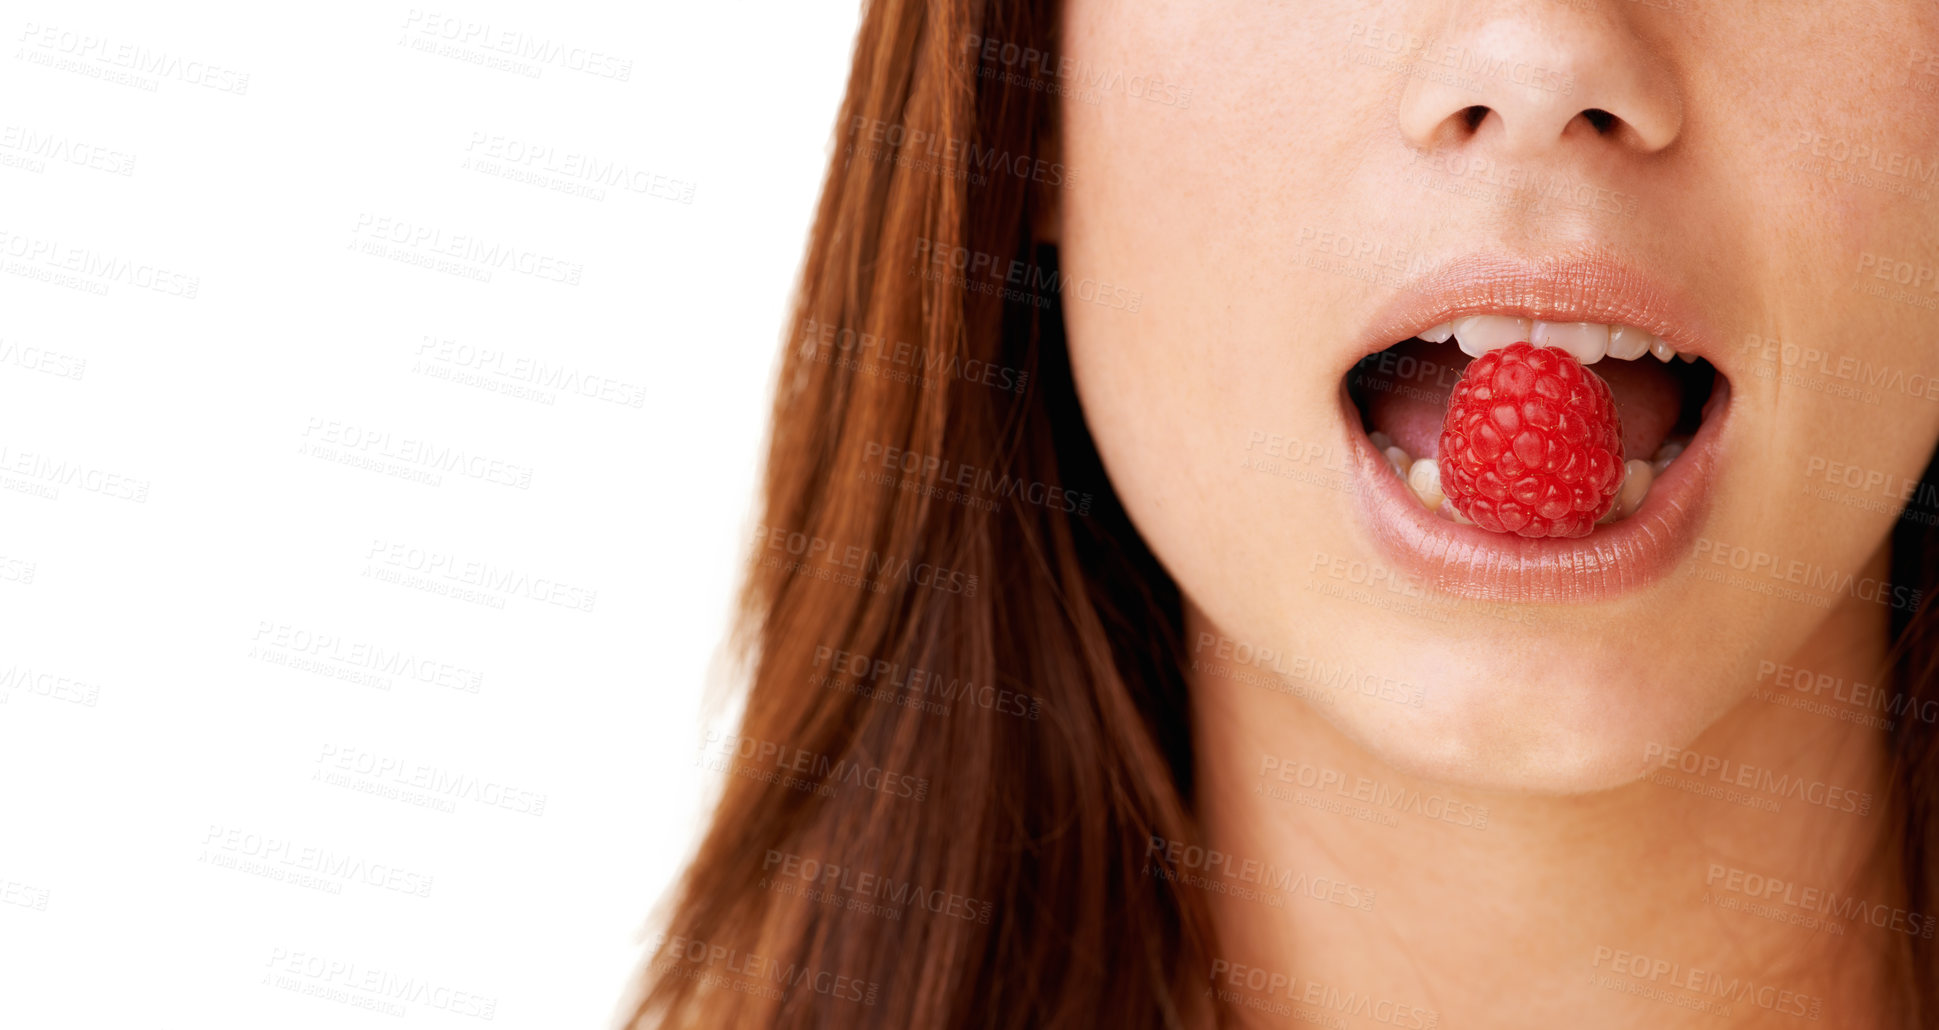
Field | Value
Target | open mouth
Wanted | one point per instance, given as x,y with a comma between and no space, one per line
1512,534
1402,394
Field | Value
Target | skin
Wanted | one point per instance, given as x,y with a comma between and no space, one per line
1736,122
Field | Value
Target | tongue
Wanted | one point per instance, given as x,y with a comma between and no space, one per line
1406,389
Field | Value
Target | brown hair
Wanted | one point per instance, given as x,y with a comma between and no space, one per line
1021,818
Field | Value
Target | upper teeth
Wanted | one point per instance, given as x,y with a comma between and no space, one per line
1587,342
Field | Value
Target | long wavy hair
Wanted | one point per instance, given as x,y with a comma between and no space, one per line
980,707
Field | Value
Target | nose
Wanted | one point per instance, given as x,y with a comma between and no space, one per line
1540,74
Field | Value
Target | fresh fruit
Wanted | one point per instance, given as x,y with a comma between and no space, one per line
1532,444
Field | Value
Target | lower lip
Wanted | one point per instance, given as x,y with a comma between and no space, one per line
1471,562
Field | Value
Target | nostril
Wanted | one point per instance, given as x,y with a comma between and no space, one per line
1473,116
1604,122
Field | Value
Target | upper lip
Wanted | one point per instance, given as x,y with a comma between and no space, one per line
1588,287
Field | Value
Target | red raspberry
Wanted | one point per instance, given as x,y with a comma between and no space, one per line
1532,444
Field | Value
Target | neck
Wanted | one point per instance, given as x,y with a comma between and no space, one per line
1343,887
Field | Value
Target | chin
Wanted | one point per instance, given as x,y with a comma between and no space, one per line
1553,718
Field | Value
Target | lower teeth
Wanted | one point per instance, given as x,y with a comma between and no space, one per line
1423,478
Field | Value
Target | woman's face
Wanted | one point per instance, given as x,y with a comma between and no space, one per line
1273,196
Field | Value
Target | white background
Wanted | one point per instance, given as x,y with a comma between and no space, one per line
220,514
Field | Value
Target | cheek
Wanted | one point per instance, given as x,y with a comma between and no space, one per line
1223,452
1838,350
1177,448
